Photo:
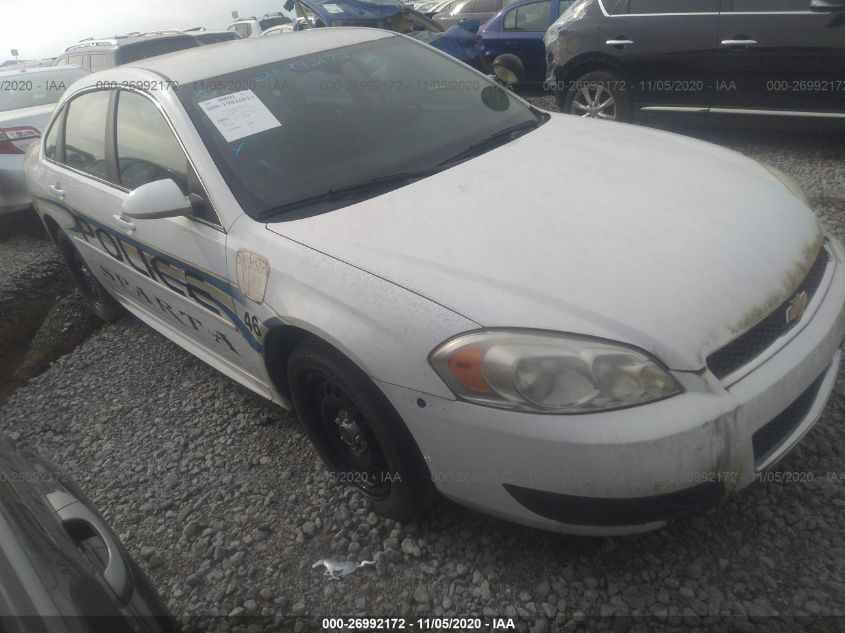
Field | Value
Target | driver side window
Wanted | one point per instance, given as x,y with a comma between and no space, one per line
147,150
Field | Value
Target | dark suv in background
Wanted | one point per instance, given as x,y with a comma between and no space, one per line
612,58
100,54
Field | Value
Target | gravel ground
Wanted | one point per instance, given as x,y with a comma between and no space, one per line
44,317
222,501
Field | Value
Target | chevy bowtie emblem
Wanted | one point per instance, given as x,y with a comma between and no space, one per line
797,307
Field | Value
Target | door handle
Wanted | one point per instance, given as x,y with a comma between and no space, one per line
738,43
124,224
73,512
619,43
57,191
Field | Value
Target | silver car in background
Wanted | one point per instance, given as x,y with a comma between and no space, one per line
28,97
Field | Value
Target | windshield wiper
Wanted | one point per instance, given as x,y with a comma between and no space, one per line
393,181
494,140
349,191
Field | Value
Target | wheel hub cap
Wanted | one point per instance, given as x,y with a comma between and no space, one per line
594,101
350,433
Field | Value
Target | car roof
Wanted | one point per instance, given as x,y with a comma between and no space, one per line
227,57
121,40
31,70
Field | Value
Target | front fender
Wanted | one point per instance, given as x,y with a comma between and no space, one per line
384,329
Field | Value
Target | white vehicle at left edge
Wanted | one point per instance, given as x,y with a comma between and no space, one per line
28,96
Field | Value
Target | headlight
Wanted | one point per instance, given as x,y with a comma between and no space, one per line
550,373
789,182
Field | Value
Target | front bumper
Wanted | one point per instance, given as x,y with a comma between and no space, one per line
13,193
631,470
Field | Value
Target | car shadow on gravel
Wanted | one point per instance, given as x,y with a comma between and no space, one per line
44,316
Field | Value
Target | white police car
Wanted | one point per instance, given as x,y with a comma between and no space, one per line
577,325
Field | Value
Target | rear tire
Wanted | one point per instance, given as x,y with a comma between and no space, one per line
95,294
600,94
357,432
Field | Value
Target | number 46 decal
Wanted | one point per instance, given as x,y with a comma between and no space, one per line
252,324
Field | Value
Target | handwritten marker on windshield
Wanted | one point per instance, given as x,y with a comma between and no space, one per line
238,149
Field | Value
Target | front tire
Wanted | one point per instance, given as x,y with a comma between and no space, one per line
599,94
101,303
357,432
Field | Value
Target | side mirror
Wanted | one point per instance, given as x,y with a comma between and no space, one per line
508,68
833,6
159,199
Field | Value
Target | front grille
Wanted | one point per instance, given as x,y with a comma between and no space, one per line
769,437
752,343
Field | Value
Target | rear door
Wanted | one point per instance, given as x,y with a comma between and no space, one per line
781,55
667,47
522,32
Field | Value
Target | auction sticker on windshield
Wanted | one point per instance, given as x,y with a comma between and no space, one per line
239,114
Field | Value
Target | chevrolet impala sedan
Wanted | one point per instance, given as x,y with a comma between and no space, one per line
573,324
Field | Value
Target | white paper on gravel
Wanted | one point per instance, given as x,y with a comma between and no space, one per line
239,114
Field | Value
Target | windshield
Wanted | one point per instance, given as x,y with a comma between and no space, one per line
285,132
27,90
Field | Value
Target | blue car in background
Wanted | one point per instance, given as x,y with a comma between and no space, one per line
518,29
460,41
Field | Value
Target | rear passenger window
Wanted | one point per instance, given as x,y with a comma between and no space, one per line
147,149
98,61
528,17
769,6
85,133
666,6
486,6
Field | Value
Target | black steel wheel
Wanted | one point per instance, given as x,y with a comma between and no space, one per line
357,432
96,296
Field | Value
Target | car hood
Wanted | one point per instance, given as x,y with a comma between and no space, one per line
603,229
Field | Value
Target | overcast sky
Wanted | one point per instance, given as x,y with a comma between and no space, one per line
44,28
